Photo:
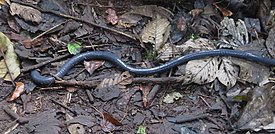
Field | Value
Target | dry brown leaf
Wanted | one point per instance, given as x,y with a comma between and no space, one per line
111,119
111,17
19,89
156,32
120,80
225,12
2,2
25,12
91,66
145,89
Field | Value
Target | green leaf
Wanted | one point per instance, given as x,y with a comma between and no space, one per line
241,98
74,48
10,60
141,130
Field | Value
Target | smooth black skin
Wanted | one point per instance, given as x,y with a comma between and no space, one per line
104,55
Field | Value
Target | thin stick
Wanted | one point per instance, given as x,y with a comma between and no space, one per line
26,69
75,18
94,83
45,32
9,73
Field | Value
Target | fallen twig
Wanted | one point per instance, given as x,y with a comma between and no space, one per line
26,69
94,83
64,106
9,73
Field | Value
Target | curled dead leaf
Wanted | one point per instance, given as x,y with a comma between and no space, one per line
111,17
25,12
111,119
91,66
19,89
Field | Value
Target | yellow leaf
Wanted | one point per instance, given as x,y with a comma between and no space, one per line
10,57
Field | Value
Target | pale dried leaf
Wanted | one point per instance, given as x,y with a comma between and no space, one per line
252,72
156,32
238,31
168,50
76,129
91,66
25,12
19,89
258,111
227,73
202,71
198,45
270,44
128,20
10,58
120,80
172,97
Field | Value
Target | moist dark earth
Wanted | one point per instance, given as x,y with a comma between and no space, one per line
126,103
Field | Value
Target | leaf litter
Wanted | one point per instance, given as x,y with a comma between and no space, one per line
210,26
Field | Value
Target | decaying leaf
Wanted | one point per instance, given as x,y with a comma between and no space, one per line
2,2
128,19
238,31
120,80
145,89
91,66
10,58
202,71
25,12
19,89
76,129
258,112
252,72
109,123
227,73
169,50
111,119
111,17
156,32
225,12
170,98
206,70
270,44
